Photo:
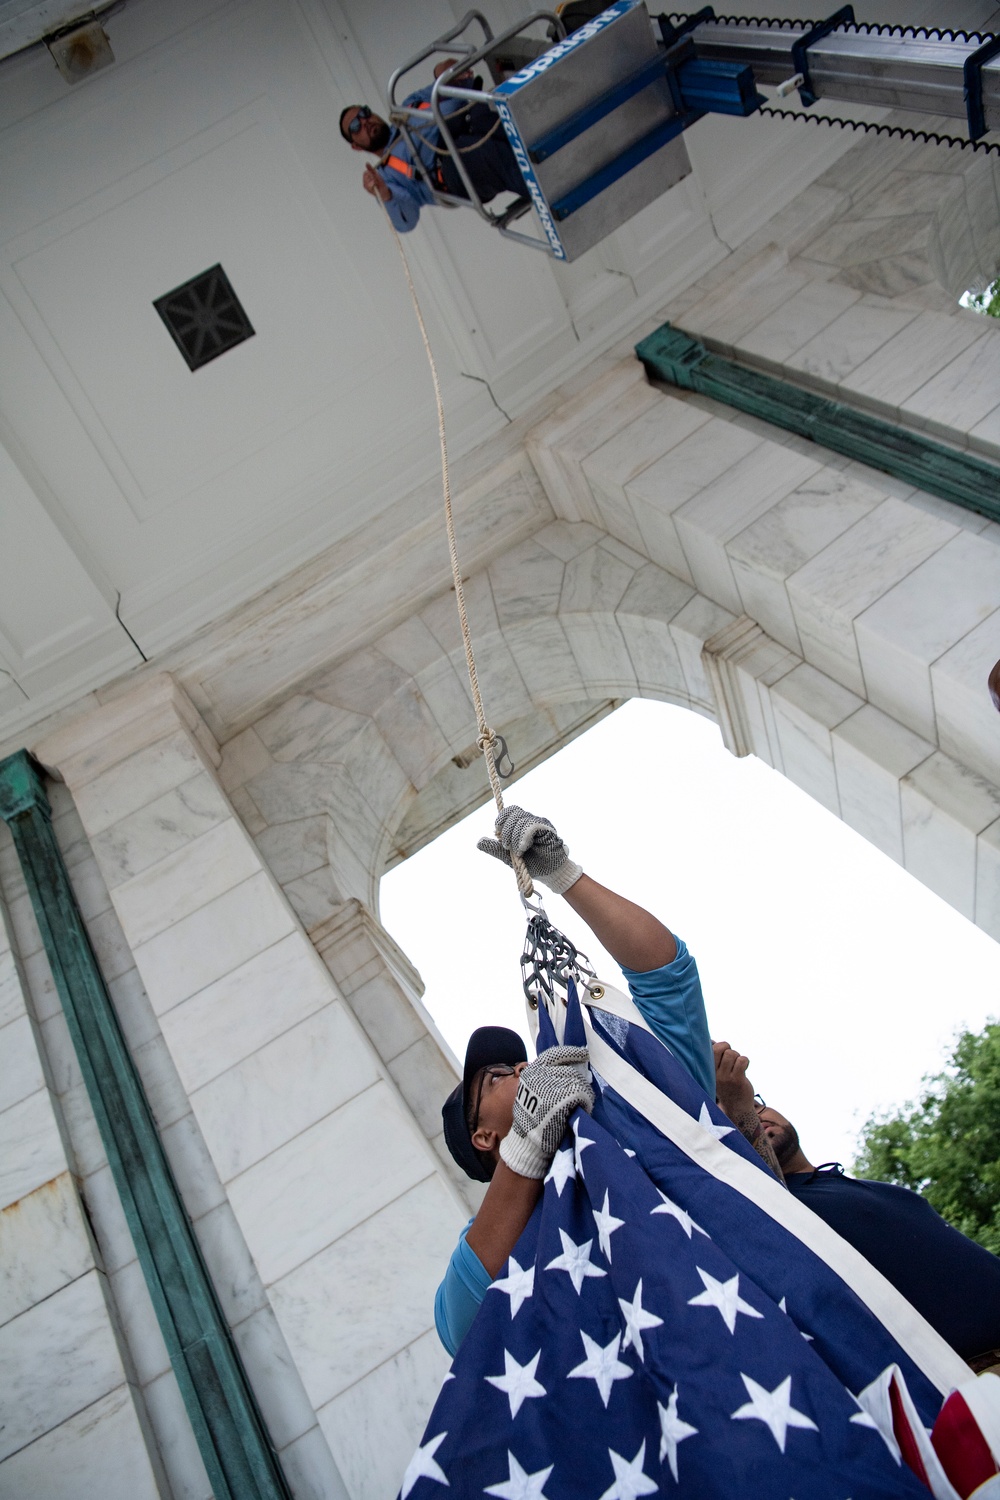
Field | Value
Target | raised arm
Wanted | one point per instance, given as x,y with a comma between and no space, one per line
735,1096
633,936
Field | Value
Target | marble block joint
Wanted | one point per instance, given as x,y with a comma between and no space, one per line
671,355
237,1452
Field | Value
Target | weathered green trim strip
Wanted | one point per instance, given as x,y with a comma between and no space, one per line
230,1431
670,354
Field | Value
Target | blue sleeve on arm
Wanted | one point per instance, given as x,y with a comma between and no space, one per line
458,1298
403,211
670,999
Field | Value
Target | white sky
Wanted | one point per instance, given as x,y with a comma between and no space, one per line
839,975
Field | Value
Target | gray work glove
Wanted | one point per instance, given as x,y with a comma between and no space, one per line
548,1091
538,844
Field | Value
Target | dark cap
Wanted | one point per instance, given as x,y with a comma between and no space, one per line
487,1044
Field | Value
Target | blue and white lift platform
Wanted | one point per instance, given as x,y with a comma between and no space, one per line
596,114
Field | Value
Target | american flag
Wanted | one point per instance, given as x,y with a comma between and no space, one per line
657,1331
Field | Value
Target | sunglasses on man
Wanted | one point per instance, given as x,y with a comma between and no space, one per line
363,113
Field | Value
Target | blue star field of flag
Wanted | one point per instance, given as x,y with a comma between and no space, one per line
655,1332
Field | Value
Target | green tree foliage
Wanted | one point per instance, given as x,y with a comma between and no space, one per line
947,1145
987,302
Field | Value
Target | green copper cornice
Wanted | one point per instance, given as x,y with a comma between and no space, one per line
21,786
671,355
234,1444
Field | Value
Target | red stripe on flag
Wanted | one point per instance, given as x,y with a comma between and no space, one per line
964,1452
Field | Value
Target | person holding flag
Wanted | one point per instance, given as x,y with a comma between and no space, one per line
654,1312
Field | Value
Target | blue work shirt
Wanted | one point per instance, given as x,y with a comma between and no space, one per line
953,1282
670,1000
410,194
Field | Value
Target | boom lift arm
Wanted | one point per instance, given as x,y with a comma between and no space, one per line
596,116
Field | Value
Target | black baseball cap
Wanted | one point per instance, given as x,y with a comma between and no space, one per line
487,1044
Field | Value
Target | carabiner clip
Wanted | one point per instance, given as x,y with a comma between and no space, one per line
500,754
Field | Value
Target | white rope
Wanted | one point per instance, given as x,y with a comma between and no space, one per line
486,738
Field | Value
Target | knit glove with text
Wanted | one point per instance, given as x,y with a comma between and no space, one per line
548,1091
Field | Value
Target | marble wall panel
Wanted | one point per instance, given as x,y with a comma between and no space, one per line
245,1009
185,1471
98,1451
850,340
871,753
727,314
964,392
43,1246
595,581
291,850
21,1074
425,1078
371,1465
558,445
916,622
137,780
545,661
321,1054
31,1151
163,826
211,942
55,1359
786,537
658,429
354,1305
807,706
986,434
945,806
967,722
310,1469
726,507
526,583
798,320
690,628
905,362
322,1182
600,652
182,882
988,880
847,577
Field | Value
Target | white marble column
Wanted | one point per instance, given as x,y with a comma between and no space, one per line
337,1194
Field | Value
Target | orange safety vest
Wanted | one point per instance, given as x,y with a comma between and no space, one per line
405,168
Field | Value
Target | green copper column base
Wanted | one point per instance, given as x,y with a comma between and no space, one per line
671,355
234,1444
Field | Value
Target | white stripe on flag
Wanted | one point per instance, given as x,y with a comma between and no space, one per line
928,1350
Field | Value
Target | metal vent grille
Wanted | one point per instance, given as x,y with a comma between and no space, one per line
204,317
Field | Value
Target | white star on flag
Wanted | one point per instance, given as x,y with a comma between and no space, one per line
520,1485
807,1336
725,1295
636,1319
707,1123
423,1465
630,1481
582,1142
773,1408
602,1365
629,1152
562,1170
517,1382
684,1219
606,1226
575,1261
672,1432
518,1285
